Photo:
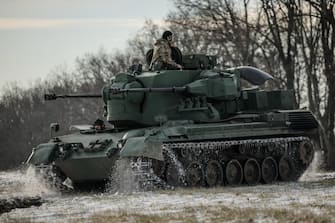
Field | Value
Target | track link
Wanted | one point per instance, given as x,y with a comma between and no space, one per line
53,178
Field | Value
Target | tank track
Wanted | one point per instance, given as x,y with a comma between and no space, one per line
232,162
146,177
53,178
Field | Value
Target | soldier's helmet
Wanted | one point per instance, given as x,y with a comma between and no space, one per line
99,124
167,35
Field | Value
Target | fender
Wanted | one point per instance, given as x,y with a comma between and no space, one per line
150,143
42,154
142,147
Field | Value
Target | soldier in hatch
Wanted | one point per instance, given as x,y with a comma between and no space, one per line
161,58
99,125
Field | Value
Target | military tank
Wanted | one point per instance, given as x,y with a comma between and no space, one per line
193,127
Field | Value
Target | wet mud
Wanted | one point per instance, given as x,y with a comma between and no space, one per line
9,204
311,199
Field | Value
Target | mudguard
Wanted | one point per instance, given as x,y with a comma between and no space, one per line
42,154
142,147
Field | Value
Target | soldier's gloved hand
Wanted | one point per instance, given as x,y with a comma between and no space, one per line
180,66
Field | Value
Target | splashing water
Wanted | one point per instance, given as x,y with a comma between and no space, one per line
23,182
35,184
313,171
131,176
176,162
122,179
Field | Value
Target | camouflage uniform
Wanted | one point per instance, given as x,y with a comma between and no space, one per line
161,57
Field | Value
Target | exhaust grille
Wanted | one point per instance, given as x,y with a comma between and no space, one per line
302,120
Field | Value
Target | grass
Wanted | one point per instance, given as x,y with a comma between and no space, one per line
213,214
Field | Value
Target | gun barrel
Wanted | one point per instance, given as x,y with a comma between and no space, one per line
49,97
160,90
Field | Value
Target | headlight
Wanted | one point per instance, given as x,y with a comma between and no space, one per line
120,144
61,149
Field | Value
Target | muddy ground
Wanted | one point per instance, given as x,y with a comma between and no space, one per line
312,199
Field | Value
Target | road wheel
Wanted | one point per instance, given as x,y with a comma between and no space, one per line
194,174
252,172
234,172
269,170
213,173
306,152
286,168
175,176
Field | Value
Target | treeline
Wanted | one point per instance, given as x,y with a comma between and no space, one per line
292,40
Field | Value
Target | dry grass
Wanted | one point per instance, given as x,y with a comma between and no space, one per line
215,214
11,220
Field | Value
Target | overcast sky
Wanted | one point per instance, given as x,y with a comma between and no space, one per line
38,35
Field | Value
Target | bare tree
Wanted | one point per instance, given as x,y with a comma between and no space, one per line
281,31
219,27
326,18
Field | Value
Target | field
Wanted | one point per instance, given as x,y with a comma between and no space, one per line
312,199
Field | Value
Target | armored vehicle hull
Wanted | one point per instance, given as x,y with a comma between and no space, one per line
182,153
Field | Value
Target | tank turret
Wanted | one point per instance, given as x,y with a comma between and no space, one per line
198,95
